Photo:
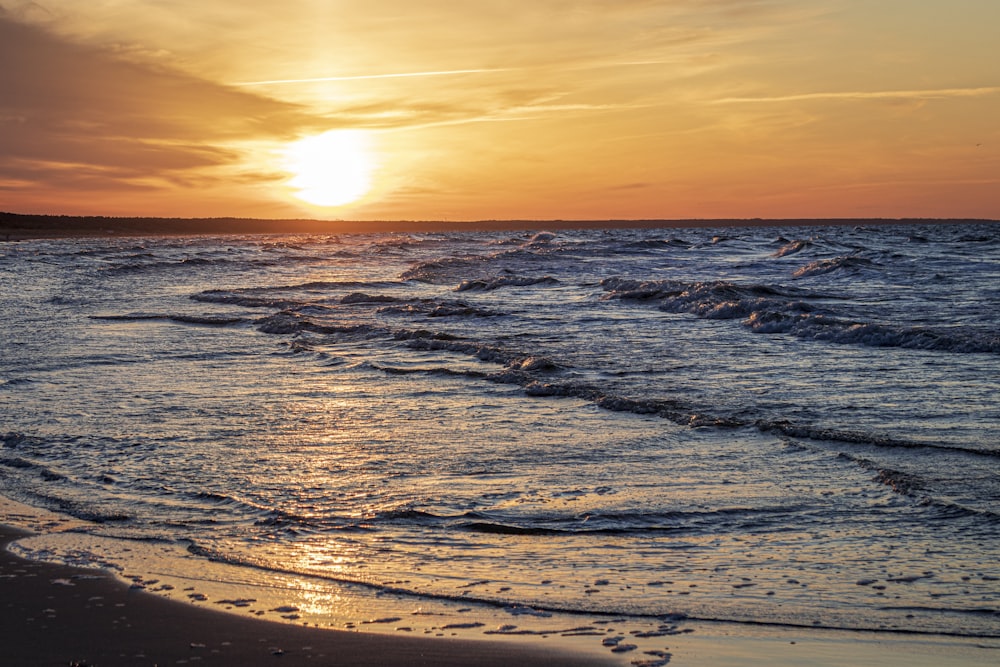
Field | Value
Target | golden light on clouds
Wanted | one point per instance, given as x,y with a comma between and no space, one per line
331,169
483,110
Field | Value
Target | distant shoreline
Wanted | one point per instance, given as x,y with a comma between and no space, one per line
18,226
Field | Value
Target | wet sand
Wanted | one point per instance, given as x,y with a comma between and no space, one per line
58,615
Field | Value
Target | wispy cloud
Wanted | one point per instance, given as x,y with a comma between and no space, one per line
363,77
493,107
938,93
449,72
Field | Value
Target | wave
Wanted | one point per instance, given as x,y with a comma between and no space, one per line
766,309
459,309
431,308
541,238
388,304
718,299
446,270
103,251
791,247
424,370
819,433
196,253
489,284
726,301
847,332
47,474
848,264
488,272
693,522
295,321
658,244
237,299
14,440
32,493
524,370
514,362
320,319
362,298
260,297
541,376
926,490
206,320
323,286
139,265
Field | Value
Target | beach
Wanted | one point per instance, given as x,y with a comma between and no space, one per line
59,615
635,334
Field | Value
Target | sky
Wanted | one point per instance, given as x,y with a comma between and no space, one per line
490,109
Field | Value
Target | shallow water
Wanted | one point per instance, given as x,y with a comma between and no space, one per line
767,425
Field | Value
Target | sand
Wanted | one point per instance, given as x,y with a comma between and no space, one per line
58,615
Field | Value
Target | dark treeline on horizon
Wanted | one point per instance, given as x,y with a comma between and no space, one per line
21,225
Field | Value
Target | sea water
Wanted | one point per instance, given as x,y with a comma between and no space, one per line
765,425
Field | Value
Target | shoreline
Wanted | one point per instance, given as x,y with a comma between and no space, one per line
22,227
58,614
62,614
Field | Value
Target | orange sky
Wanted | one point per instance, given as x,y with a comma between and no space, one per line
489,109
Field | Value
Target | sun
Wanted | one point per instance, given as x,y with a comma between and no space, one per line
331,169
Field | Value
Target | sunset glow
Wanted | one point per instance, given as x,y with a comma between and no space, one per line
587,110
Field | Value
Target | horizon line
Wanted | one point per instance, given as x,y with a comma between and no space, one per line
13,214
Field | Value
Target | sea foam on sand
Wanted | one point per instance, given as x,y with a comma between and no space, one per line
60,615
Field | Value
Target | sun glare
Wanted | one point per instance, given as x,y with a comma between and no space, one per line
331,169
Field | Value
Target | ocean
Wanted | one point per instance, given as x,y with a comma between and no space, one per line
772,426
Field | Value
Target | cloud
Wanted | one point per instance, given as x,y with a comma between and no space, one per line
933,94
364,77
69,108
494,106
